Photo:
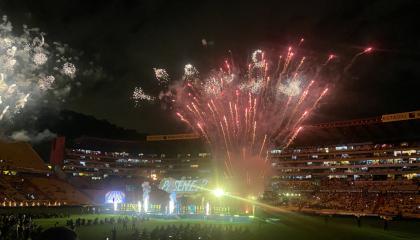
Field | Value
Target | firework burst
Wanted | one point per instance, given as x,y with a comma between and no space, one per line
161,75
24,68
139,95
242,112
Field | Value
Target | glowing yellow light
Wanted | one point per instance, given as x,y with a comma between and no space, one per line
153,176
218,192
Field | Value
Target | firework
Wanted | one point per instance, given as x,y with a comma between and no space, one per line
40,58
69,69
161,75
291,89
139,95
353,60
45,83
242,112
189,71
24,72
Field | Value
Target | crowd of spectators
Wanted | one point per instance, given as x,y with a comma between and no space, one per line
358,147
397,197
18,226
197,231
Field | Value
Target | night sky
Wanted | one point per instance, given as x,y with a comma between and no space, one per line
129,38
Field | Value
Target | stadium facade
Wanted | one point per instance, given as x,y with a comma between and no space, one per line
364,161
160,156
388,147
97,166
365,166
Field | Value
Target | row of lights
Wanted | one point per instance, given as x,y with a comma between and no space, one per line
31,204
291,194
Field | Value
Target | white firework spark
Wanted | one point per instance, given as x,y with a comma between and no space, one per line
161,75
212,86
139,95
22,102
69,69
11,89
40,58
258,58
190,70
252,86
292,89
24,69
228,78
256,86
4,112
45,83
256,55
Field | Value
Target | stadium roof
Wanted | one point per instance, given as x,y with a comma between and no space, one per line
390,128
167,145
21,157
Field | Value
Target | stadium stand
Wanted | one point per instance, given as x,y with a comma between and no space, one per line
21,157
60,190
389,198
362,166
26,180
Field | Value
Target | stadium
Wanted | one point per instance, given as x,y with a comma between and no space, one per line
208,120
371,177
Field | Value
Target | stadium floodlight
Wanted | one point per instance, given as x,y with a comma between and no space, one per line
218,192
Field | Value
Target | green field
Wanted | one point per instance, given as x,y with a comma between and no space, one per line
287,226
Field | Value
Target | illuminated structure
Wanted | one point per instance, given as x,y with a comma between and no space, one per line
99,165
158,157
146,192
356,161
364,166
183,188
207,208
172,202
385,155
114,197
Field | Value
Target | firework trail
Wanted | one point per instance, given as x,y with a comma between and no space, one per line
242,112
29,68
367,50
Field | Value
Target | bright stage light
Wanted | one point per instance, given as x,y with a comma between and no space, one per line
171,207
115,197
207,208
139,206
218,192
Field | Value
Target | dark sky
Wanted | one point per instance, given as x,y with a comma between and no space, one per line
129,38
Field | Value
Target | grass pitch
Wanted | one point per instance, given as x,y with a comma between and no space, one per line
286,226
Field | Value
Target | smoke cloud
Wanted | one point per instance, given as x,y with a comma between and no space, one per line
24,136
